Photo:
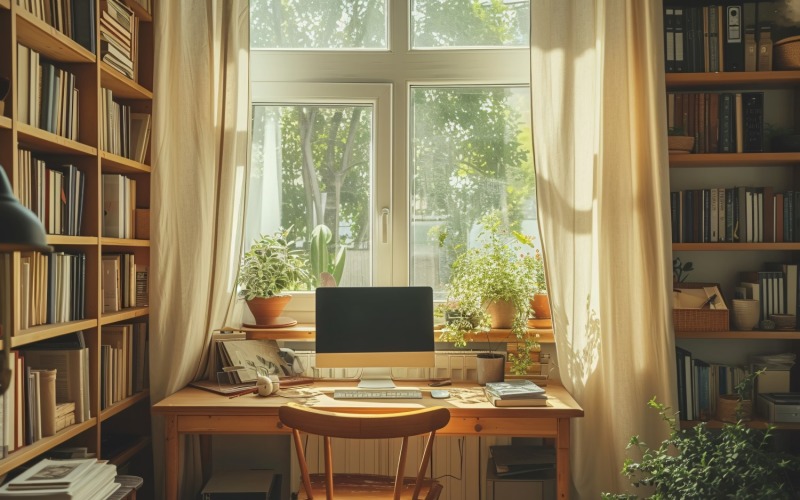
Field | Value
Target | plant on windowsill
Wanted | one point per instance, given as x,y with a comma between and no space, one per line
735,462
267,269
488,281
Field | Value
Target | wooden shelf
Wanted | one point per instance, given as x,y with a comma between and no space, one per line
121,85
123,242
756,423
739,335
44,332
5,122
119,165
123,405
60,239
738,79
705,247
40,139
5,4
307,331
30,452
124,315
713,160
43,38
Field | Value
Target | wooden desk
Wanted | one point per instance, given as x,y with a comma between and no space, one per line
194,411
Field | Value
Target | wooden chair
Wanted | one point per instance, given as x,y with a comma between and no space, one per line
375,426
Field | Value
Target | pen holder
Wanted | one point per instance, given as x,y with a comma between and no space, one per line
745,314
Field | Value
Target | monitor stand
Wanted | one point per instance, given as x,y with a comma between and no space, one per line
376,378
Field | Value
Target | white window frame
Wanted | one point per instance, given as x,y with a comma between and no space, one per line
283,76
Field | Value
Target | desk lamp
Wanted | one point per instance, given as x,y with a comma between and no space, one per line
20,230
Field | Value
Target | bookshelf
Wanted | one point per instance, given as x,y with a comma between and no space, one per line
722,261
119,432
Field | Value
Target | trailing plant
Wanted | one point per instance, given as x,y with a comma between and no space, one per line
321,261
491,271
269,267
736,462
680,270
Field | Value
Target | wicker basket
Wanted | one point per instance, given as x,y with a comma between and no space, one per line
786,53
700,320
728,408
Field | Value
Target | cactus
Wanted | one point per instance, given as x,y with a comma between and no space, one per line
320,257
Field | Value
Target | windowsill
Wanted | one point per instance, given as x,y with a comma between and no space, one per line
307,332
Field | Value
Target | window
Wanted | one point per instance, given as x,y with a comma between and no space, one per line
390,144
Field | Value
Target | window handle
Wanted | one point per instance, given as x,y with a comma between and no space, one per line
385,225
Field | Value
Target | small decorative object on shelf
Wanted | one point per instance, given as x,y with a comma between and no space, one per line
787,53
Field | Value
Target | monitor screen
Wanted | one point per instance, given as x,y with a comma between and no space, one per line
374,327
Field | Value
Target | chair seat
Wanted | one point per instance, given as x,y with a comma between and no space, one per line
368,486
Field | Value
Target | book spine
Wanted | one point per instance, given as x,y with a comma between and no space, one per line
753,121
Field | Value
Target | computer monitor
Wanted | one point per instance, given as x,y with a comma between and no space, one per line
375,328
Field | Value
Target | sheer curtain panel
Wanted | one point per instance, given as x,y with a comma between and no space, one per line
599,128
200,109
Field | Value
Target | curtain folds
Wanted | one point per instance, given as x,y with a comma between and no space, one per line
599,120
200,116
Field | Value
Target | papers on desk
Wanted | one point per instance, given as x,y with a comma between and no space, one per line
708,297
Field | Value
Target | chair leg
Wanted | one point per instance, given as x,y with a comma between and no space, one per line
423,466
401,469
301,457
328,469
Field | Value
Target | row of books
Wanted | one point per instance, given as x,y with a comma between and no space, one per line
701,383
715,38
27,410
119,205
123,362
119,31
775,287
124,132
5,298
720,122
55,193
74,18
735,215
124,282
52,288
48,96
87,479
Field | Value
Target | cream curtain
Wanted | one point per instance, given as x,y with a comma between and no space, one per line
599,123
200,114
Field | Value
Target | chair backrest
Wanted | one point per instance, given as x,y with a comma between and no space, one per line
360,426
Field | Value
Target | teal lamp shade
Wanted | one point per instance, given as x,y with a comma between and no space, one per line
20,229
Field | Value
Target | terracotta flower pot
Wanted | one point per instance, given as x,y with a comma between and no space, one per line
266,309
540,303
502,312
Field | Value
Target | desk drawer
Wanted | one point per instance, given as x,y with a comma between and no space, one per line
231,424
476,426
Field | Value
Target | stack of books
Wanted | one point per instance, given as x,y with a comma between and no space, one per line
515,393
85,479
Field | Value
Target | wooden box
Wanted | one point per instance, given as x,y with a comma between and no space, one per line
700,320
142,223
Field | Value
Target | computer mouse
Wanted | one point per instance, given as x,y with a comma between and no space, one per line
440,394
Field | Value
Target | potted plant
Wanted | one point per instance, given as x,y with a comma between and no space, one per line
738,406
488,281
267,269
678,141
735,462
540,302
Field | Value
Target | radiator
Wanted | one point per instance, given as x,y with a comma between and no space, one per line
459,463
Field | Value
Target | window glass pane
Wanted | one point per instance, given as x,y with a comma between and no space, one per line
318,24
313,165
471,154
470,23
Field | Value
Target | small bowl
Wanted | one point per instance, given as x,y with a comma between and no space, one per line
784,321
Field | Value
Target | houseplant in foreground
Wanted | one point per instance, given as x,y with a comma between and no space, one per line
735,462
488,281
267,269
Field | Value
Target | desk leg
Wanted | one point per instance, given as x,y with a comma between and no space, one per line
562,460
171,457
205,456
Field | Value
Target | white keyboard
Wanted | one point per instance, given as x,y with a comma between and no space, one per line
377,394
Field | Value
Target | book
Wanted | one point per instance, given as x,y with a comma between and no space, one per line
51,474
531,401
515,389
71,376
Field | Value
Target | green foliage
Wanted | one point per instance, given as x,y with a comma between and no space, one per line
736,462
492,271
321,261
680,270
269,267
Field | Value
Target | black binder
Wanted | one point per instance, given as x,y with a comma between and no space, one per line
734,38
